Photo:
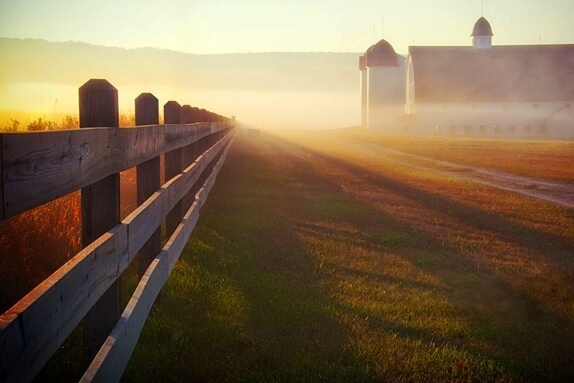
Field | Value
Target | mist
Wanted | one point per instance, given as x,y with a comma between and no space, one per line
266,90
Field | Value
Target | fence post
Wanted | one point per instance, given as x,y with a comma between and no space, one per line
186,114
148,176
173,165
172,112
100,210
198,114
147,109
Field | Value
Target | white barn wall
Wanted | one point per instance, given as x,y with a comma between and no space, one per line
552,119
410,87
364,88
385,95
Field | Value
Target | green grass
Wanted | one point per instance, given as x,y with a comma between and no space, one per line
312,263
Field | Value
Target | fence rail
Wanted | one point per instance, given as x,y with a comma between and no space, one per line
39,167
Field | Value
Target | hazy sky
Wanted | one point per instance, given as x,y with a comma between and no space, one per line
230,26
240,26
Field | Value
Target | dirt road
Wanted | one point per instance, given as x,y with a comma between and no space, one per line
552,191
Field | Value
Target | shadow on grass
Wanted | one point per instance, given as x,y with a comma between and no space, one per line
534,340
243,303
258,295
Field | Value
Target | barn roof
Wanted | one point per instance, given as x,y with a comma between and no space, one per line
524,73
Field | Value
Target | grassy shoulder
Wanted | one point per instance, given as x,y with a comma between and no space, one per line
311,262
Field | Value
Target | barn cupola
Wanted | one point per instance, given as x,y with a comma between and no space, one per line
482,34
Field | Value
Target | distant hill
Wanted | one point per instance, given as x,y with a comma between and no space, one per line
24,60
219,76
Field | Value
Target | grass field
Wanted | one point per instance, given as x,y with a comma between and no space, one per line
313,262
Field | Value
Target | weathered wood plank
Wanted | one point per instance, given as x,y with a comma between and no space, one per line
41,166
173,166
189,154
140,144
143,221
178,136
179,239
201,195
33,329
204,129
112,359
204,159
146,218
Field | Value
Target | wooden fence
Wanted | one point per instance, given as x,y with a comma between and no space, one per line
42,166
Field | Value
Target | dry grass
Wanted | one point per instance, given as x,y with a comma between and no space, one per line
550,159
35,243
21,121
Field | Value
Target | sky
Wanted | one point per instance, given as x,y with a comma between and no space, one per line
240,26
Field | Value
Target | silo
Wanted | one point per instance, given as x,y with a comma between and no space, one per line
385,87
363,87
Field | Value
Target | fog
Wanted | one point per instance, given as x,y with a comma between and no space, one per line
267,90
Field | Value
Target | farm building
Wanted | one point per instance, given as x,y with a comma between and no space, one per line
481,90
382,86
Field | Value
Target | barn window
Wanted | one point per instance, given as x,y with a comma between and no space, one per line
527,129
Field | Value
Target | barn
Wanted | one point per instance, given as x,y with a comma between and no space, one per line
479,90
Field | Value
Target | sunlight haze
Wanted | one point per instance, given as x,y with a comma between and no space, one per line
250,26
